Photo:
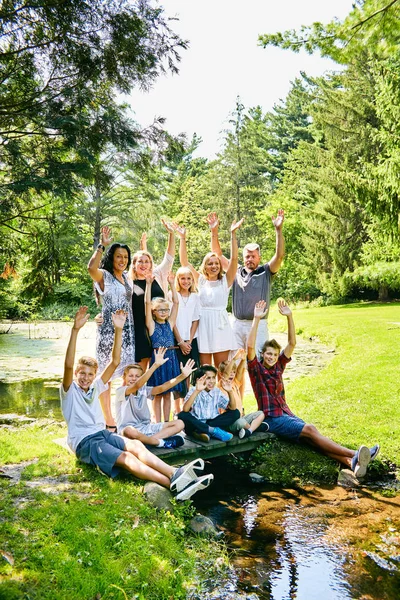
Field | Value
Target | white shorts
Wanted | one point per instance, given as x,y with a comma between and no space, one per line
241,329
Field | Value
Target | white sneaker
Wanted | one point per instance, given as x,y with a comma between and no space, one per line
195,486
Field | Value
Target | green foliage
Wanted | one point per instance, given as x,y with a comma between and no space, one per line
383,277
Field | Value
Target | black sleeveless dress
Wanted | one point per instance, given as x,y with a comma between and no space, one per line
142,340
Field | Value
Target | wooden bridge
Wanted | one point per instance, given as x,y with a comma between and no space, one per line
195,449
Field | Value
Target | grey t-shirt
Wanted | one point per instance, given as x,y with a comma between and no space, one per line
133,410
248,289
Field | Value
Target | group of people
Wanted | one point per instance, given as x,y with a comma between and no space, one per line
157,340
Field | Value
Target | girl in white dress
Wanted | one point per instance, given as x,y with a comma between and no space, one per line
215,335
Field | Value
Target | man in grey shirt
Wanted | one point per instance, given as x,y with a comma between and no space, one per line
252,282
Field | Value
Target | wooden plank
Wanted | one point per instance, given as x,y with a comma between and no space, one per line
195,449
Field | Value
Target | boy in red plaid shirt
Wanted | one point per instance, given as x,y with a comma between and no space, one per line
266,376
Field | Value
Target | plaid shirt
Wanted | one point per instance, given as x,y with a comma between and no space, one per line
268,386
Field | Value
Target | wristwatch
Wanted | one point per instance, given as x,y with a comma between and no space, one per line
101,247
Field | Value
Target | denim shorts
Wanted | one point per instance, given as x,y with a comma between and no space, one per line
102,449
287,426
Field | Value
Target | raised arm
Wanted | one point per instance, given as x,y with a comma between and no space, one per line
227,385
159,360
260,311
118,318
241,368
147,299
213,222
200,386
276,260
233,263
94,263
181,232
143,242
175,300
286,312
81,318
170,227
186,371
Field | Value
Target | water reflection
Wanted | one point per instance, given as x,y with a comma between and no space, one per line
31,398
299,544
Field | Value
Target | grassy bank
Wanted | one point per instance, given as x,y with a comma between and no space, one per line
354,399
89,537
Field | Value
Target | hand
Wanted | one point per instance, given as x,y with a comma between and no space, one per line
150,278
159,354
189,368
185,347
105,237
81,317
99,319
170,227
212,220
181,231
277,221
260,309
240,354
236,225
143,241
119,318
226,384
171,278
284,309
201,383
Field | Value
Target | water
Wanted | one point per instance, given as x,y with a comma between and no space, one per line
303,544
36,398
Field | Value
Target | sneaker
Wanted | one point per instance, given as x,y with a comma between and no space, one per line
263,427
374,451
201,483
244,433
174,441
360,461
220,434
186,474
202,437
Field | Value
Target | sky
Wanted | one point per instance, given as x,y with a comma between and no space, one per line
223,61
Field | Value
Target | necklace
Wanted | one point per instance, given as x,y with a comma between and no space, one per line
185,301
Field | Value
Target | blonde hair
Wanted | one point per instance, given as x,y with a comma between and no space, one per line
129,367
185,271
132,271
156,301
87,361
222,366
204,264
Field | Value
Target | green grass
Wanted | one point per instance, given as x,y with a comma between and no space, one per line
101,539
354,400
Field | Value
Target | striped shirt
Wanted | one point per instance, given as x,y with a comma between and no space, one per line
207,404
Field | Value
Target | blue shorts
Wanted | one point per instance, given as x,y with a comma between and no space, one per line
287,426
102,449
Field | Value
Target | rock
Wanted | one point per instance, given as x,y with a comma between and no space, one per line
203,525
13,419
158,496
256,478
347,478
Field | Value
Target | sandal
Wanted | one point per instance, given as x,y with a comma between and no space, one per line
196,486
112,428
186,474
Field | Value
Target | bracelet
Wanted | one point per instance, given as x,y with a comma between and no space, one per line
181,342
100,247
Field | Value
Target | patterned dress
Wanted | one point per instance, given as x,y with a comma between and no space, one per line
164,337
115,296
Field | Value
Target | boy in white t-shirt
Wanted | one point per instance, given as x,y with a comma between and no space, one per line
93,443
132,411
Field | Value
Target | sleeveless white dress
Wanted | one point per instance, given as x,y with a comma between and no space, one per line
215,332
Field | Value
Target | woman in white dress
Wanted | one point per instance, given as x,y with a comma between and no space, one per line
215,335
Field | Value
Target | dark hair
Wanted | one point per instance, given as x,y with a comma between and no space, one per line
107,261
202,371
108,257
270,344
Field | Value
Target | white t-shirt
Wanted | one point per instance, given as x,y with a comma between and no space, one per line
82,411
189,311
133,409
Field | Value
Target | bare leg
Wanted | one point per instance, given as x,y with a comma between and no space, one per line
205,359
256,423
134,465
105,401
170,428
144,363
133,434
157,408
178,402
220,357
166,406
148,458
311,435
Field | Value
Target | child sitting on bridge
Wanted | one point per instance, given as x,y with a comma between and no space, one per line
234,373
87,434
267,382
202,406
132,411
